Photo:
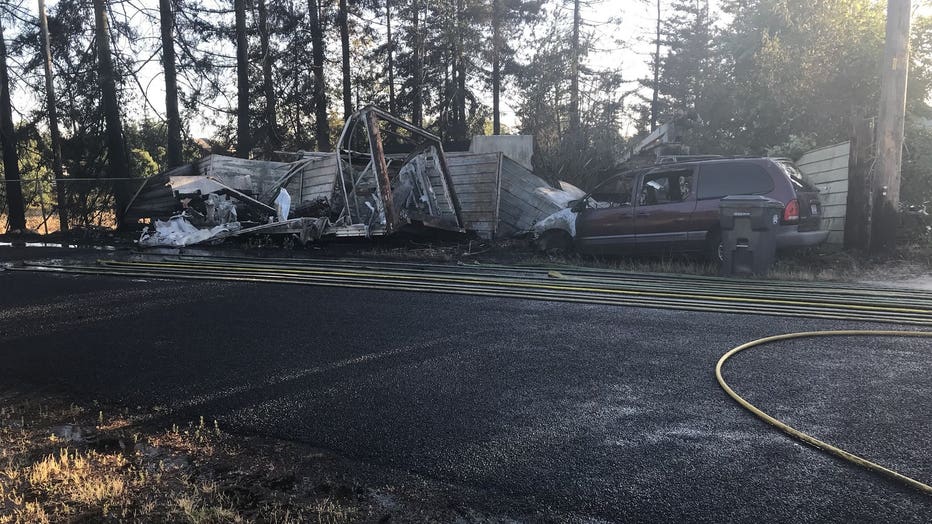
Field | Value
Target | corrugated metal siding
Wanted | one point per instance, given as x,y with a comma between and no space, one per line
476,182
827,169
521,205
316,181
439,186
498,197
232,171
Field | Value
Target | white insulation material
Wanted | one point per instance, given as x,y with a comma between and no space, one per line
178,232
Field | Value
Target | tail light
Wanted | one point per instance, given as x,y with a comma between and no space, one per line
791,211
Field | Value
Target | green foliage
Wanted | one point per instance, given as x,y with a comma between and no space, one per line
916,181
794,147
771,77
142,164
581,156
780,70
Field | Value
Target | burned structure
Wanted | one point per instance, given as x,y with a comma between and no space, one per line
385,176
358,190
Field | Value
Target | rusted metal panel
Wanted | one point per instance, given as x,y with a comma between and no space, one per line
381,171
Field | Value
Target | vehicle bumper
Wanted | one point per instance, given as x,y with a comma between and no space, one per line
788,237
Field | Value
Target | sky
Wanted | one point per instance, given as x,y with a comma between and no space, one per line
632,55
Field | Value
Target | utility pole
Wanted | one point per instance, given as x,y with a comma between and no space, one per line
885,184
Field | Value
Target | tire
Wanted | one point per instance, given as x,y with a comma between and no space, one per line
555,242
715,249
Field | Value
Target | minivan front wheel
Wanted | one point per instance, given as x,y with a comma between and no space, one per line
555,242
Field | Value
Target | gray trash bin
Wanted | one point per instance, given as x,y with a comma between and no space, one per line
749,233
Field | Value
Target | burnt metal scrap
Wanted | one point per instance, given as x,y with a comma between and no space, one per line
358,190
385,176
386,192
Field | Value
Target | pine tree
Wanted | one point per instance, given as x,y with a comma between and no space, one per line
269,115
172,116
243,134
322,125
343,24
52,112
116,147
14,190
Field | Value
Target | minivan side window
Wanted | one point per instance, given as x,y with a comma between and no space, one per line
614,192
666,187
733,178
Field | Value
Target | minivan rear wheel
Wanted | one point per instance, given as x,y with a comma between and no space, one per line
715,249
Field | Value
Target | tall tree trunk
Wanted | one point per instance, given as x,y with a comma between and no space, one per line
273,142
574,70
297,67
322,131
116,147
655,100
417,110
343,22
243,144
446,123
172,117
392,108
460,72
52,110
14,189
496,65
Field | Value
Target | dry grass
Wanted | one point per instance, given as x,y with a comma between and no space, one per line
36,223
60,462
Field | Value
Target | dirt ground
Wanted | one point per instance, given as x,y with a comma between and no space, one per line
63,462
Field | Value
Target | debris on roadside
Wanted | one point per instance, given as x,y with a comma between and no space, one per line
357,191
500,198
385,176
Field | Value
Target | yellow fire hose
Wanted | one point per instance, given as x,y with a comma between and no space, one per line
809,439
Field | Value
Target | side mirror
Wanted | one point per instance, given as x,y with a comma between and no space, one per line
579,205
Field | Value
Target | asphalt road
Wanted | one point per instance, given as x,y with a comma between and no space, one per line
604,413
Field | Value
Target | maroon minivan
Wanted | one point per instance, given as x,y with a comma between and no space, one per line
675,207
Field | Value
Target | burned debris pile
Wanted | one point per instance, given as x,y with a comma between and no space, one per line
386,176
